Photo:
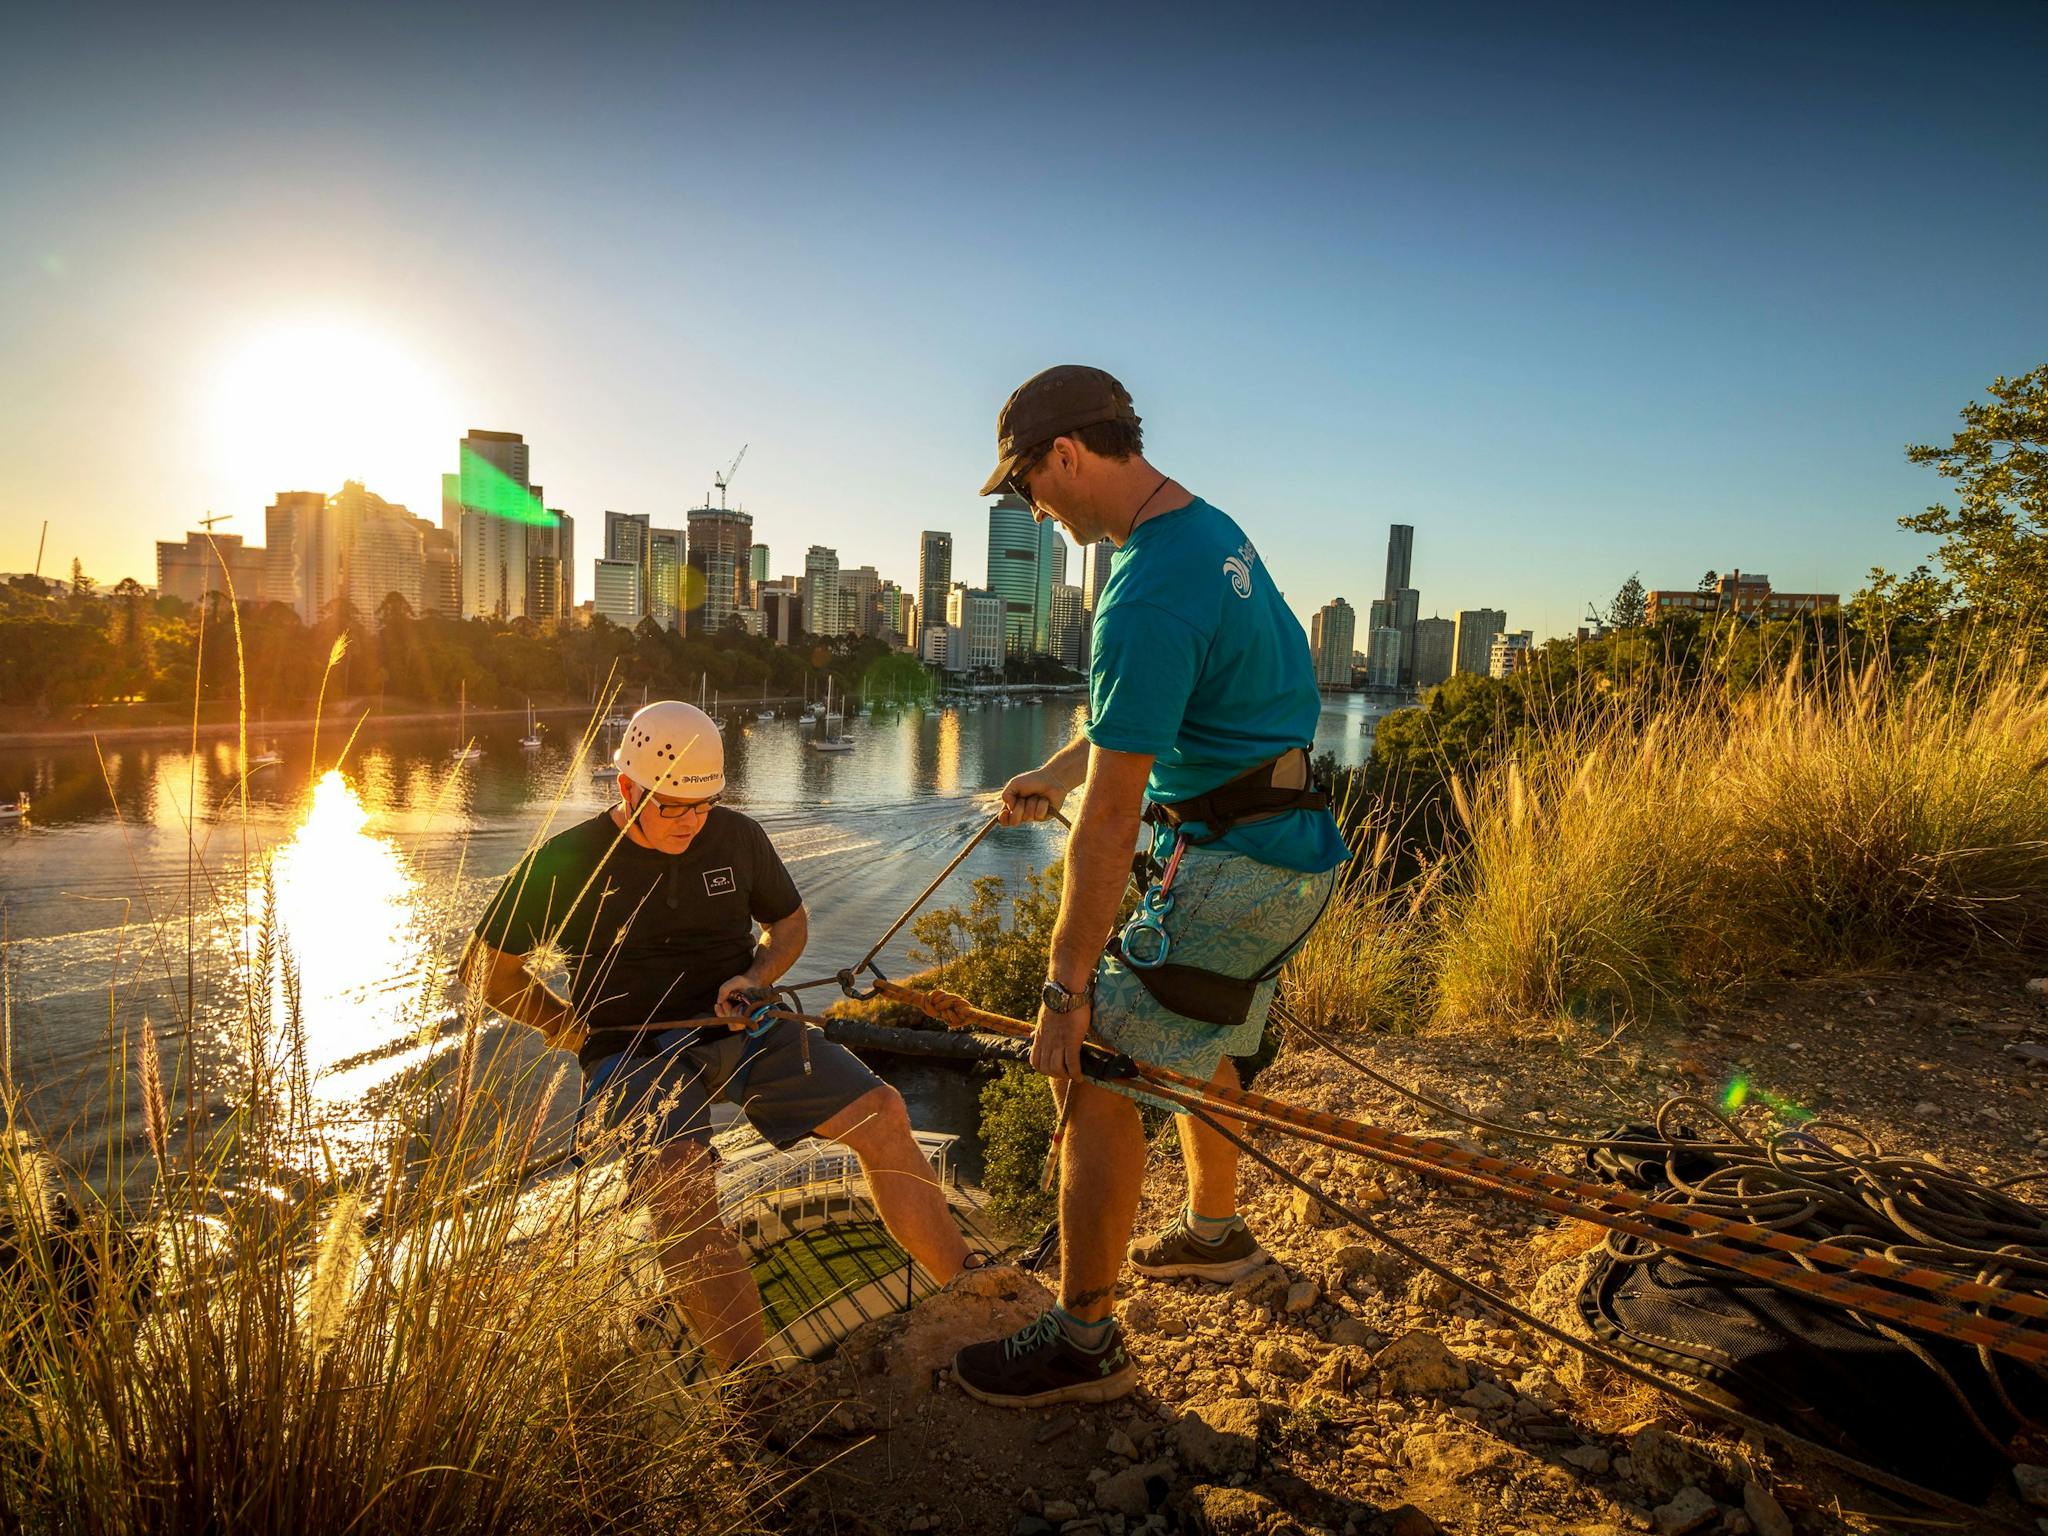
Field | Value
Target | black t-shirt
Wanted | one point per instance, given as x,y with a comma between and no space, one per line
645,936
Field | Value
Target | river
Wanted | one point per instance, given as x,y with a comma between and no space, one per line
128,875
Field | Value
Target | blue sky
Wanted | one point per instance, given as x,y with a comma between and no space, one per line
1576,290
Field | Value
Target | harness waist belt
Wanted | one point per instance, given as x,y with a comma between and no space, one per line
1252,793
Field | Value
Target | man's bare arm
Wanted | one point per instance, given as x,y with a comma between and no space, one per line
780,948
1036,793
523,997
1098,862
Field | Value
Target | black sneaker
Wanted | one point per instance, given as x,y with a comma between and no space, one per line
1177,1254
1039,1365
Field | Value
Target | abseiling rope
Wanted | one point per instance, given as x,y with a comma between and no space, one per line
1954,1306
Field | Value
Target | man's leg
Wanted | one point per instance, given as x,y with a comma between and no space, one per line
876,1128
1211,1159
1102,1167
703,1264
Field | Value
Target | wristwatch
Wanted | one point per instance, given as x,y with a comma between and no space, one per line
1058,999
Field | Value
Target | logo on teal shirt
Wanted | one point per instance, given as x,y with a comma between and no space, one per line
1239,568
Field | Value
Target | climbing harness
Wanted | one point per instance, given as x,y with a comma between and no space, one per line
1251,794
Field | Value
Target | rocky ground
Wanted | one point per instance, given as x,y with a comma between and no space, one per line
1345,1391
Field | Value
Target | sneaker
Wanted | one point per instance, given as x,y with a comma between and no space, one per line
1039,1365
1177,1254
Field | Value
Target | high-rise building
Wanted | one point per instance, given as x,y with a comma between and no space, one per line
899,614
781,611
441,570
1400,557
615,592
628,536
451,505
824,614
1510,652
666,584
1331,634
977,625
1059,554
860,591
1474,641
1435,651
1383,658
381,551
550,561
301,563
1095,560
495,494
191,569
1069,626
934,576
723,557
1020,556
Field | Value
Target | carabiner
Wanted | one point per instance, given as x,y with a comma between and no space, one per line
1145,942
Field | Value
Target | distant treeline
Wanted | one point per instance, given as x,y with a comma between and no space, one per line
65,645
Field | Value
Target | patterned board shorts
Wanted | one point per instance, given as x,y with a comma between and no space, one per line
1233,915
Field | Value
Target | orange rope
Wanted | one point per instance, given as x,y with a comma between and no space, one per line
1819,1269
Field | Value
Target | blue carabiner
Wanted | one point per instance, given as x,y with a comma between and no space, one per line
1145,942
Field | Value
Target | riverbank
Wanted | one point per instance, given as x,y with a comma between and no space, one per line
162,723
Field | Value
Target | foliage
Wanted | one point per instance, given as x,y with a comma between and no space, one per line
1629,606
1994,541
1016,1135
277,1339
975,954
1655,843
85,648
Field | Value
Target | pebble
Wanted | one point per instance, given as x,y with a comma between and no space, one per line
1588,1458
1766,1516
1688,1510
2032,1483
1119,1444
1060,1511
1302,1295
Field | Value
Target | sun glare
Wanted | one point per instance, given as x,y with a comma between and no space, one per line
307,404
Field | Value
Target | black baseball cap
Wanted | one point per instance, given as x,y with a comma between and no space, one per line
1049,405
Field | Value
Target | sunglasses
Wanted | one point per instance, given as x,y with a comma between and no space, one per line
671,810
1019,483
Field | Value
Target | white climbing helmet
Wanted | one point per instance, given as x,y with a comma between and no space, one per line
674,749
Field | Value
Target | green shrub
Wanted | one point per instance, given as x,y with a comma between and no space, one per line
1016,1134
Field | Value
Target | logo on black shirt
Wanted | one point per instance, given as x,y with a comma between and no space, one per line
719,882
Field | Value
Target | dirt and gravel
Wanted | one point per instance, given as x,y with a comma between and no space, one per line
1344,1391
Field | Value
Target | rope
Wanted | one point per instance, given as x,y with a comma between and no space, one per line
1823,1269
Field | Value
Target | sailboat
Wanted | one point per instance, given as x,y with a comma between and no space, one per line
765,712
15,809
531,740
823,738
266,753
464,751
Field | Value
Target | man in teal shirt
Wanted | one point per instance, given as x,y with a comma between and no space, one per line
1203,702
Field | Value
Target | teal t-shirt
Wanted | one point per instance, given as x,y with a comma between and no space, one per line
1198,662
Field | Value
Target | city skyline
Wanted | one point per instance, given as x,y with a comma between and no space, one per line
1655,288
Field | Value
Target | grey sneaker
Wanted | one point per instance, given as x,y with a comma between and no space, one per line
1177,1254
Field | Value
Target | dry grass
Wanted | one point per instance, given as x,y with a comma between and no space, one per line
274,1337
269,1345
1621,865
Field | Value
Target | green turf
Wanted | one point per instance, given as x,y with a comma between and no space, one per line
806,1271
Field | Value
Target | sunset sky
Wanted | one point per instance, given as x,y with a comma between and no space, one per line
1576,290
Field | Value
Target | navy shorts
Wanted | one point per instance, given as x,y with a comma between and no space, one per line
667,1095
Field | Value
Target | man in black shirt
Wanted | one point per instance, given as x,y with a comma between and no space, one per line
651,909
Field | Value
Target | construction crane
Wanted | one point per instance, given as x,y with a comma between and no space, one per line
722,481
211,518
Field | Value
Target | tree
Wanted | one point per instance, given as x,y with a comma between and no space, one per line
1710,583
82,585
1994,541
1629,605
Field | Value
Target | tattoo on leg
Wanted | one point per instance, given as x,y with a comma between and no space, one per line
1089,1298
